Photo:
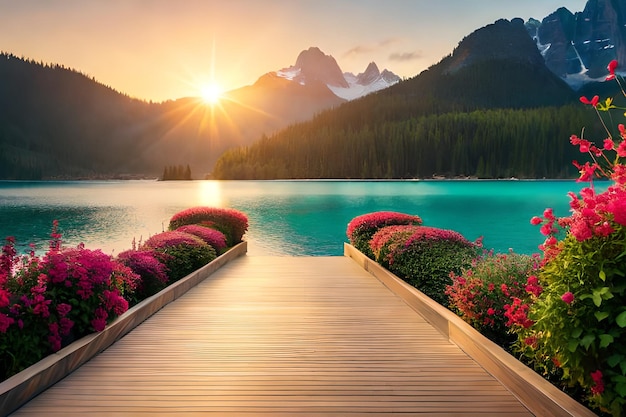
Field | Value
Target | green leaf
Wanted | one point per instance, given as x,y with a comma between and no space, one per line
621,319
602,275
572,345
601,315
622,366
605,340
597,298
587,341
614,360
620,388
577,332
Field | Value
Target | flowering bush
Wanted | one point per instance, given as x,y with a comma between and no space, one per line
213,237
150,267
488,294
184,252
387,240
579,320
45,302
426,257
362,228
232,223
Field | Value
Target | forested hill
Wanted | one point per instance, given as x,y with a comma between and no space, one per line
56,122
491,110
52,117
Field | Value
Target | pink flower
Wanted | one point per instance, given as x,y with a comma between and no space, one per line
63,309
505,290
533,287
549,214
213,237
4,298
609,144
376,220
491,311
584,146
100,320
536,220
619,174
603,230
621,149
586,171
598,387
618,208
567,297
235,222
173,238
5,322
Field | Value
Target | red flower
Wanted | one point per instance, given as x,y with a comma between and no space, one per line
594,101
608,144
598,388
619,174
611,68
621,149
568,297
587,171
535,221
531,341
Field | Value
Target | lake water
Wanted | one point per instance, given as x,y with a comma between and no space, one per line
286,217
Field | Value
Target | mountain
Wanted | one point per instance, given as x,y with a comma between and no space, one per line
490,109
497,66
578,46
58,123
312,65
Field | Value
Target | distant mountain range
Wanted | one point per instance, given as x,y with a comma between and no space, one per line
58,123
313,65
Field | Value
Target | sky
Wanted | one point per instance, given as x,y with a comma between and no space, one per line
157,50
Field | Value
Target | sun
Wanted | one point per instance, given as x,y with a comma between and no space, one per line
211,93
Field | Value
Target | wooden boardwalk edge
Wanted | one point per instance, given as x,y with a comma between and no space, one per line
532,390
22,387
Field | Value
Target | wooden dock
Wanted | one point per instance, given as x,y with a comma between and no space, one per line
281,336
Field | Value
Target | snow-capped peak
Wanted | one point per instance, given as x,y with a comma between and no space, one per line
314,65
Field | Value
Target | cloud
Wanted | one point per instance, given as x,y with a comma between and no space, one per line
406,56
368,49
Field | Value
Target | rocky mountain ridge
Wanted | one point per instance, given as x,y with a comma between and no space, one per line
578,46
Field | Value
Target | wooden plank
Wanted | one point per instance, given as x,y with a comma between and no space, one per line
281,336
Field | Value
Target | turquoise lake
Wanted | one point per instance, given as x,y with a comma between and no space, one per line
286,217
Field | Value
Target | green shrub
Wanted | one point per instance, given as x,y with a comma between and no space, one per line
388,240
480,293
184,252
429,256
579,321
149,266
361,229
211,236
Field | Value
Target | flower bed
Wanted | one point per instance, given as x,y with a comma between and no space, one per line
563,313
540,396
75,294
